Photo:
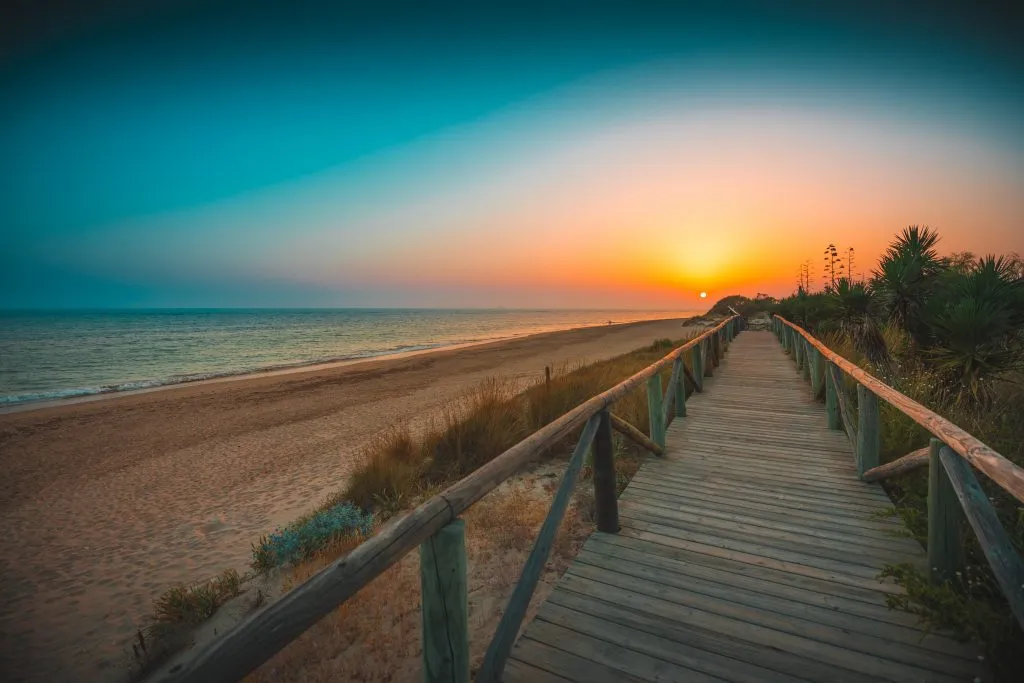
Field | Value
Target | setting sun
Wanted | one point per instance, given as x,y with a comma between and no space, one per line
703,295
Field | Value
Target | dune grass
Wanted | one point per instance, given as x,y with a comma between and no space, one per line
398,471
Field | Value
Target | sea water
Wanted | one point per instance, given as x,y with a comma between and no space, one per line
60,354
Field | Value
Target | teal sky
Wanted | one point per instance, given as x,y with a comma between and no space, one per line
309,154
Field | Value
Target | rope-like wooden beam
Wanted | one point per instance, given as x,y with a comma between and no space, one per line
908,463
995,466
635,435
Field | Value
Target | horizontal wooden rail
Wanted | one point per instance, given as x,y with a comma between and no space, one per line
257,638
992,464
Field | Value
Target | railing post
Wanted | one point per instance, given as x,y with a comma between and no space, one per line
945,545
716,348
817,372
697,364
831,399
606,502
797,350
655,411
680,387
445,602
807,349
868,438
707,362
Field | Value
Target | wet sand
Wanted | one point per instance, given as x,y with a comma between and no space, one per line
104,504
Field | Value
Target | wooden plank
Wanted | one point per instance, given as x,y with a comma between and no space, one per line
778,506
815,552
445,605
782,517
762,506
779,584
720,483
610,654
995,466
1006,564
647,650
786,523
721,587
762,628
635,435
759,569
508,628
759,481
788,552
517,671
546,656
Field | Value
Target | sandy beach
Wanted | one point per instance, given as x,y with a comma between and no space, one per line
107,503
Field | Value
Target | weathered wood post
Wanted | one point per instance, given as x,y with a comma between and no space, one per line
798,348
680,387
606,503
707,362
697,364
807,350
817,372
869,441
445,601
655,411
945,545
831,399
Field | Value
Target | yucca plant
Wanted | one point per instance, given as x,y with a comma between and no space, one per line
906,278
974,327
854,308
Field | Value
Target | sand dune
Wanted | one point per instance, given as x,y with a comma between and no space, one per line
104,504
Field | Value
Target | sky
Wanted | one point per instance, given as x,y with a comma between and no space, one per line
543,155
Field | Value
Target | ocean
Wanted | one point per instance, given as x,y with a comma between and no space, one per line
61,354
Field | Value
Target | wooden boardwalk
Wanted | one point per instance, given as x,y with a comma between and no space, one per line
750,552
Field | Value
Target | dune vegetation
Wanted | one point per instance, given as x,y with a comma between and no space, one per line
374,636
949,333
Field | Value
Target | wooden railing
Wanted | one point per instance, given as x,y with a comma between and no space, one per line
435,528
953,489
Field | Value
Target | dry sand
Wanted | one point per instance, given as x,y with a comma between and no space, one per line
105,504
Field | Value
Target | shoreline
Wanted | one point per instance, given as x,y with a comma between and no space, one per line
107,503
299,367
